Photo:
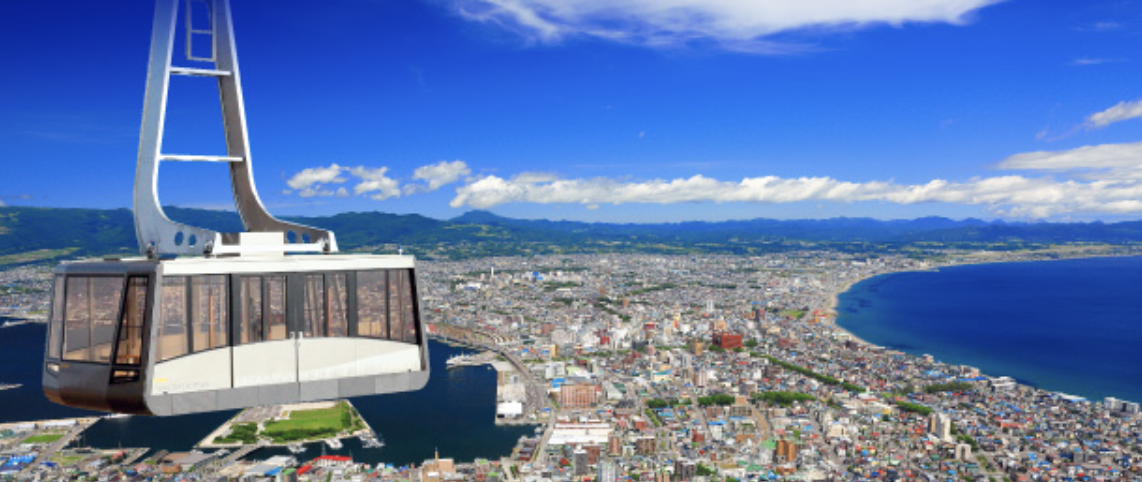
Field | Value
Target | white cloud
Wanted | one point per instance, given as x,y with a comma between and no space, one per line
1119,160
531,176
733,24
1109,181
437,175
1104,179
1100,27
1119,112
312,182
316,192
316,176
375,183
1084,61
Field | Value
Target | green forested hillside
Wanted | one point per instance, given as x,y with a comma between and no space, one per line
97,232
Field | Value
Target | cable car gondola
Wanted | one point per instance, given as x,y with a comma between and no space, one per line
206,321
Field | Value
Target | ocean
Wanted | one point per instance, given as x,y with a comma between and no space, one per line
1072,326
454,413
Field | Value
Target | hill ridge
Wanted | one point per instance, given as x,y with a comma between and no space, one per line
101,231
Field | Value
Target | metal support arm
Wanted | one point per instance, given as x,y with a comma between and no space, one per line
156,233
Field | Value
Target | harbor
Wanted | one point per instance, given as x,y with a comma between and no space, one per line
521,399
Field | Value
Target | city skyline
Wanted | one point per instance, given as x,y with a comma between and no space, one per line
1014,110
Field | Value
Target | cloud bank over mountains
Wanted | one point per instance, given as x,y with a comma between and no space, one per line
1012,196
1093,179
1104,179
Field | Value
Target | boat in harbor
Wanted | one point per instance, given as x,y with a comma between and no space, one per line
11,323
9,386
334,444
296,448
371,440
462,360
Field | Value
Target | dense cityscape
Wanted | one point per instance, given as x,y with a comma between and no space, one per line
697,368
576,241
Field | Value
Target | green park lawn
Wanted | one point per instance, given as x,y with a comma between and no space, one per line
46,438
311,424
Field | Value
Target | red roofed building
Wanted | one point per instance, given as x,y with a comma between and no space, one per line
332,461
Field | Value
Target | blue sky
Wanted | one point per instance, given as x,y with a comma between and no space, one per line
639,111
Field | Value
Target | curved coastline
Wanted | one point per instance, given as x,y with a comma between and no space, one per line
835,297
833,309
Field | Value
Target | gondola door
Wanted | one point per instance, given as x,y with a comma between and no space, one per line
265,338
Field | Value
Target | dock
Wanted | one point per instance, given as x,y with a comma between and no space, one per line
514,382
467,360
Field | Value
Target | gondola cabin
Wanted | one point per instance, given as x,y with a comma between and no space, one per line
206,320
177,336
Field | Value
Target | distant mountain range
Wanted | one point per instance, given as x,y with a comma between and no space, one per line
95,231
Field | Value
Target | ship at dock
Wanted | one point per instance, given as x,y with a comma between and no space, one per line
463,360
372,440
470,360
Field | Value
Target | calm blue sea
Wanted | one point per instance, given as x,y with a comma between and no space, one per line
455,412
1072,326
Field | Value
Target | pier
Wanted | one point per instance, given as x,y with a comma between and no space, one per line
472,360
499,347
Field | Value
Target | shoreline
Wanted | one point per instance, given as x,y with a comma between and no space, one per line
76,420
834,300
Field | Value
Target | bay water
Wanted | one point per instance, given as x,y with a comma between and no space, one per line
1072,326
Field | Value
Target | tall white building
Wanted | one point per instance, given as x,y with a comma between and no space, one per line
607,472
940,426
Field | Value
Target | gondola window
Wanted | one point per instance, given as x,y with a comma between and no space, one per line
372,310
209,312
130,350
89,317
173,340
